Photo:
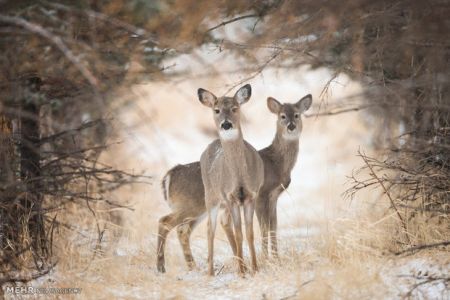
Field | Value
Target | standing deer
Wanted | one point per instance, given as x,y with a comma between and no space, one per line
184,191
279,160
232,173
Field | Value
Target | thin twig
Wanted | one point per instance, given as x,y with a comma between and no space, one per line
231,21
332,113
363,156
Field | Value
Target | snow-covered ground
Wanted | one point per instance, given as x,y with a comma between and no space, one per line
419,277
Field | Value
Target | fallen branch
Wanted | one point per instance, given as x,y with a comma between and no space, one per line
28,278
428,280
422,247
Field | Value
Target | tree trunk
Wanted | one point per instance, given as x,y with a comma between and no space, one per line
30,170
7,173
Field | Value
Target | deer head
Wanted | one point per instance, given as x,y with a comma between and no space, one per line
289,122
226,110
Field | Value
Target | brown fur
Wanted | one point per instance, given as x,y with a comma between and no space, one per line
279,159
232,174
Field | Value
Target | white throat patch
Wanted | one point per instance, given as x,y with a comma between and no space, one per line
230,134
291,136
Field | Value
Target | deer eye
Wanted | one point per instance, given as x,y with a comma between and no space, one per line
234,109
296,116
217,111
283,117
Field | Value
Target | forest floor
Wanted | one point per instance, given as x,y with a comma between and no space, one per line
330,247
312,265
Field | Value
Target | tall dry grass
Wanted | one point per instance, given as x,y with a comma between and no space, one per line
348,256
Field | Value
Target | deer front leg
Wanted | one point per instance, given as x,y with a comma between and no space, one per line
249,208
273,229
226,222
236,216
184,233
212,221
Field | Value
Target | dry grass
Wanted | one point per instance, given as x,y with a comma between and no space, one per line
347,256
329,247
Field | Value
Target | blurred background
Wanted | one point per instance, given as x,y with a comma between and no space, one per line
99,100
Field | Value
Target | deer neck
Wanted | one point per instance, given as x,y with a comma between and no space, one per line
285,150
234,150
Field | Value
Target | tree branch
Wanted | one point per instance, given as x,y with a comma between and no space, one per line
363,156
231,21
55,40
422,247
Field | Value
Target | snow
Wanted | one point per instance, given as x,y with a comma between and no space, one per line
419,278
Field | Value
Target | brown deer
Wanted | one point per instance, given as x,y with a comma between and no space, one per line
184,190
279,160
232,173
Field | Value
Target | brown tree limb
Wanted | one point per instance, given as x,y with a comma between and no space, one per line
56,41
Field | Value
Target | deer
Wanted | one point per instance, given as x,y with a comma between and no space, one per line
184,191
232,174
279,159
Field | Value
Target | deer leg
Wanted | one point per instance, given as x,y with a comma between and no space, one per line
184,233
212,221
166,224
263,220
249,208
236,216
273,230
225,221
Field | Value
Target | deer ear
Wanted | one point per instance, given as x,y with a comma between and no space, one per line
305,103
243,94
206,97
273,105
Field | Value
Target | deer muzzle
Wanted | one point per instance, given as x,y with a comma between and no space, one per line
291,127
226,125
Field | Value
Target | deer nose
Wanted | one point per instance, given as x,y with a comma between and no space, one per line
226,125
291,127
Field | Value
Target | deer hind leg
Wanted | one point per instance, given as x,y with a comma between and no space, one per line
212,221
184,231
249,208
263,220
166,224
226,222
236,217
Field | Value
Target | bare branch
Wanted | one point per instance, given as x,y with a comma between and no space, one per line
422,247
231,21
363,156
